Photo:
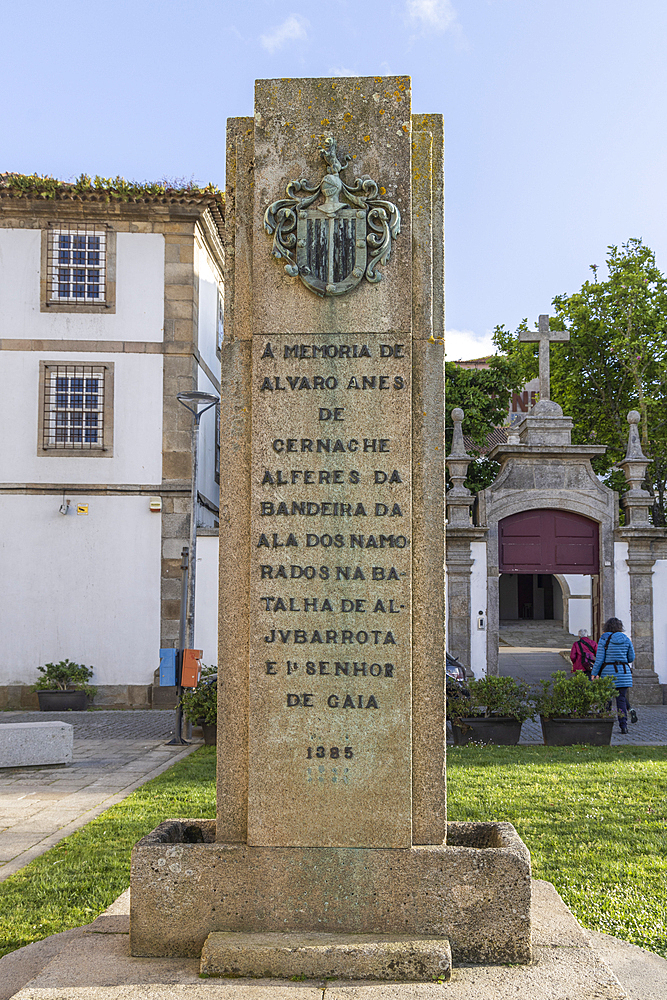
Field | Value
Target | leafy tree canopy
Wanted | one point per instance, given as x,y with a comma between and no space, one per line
615,361
484,396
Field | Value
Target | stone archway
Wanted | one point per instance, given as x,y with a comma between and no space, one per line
502,501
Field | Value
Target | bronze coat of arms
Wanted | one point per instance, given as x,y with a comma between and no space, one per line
333,245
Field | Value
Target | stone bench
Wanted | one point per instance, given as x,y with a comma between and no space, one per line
35,743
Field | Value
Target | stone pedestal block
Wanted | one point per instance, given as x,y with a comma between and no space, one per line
24,744
475,892
646,687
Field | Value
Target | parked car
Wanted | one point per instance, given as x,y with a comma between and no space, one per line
455,670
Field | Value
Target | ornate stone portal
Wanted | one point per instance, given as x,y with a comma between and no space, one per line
331,833
540,469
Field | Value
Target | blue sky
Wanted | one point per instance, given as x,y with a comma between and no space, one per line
555,115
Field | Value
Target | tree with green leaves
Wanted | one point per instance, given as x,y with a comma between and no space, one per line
484,396
615,361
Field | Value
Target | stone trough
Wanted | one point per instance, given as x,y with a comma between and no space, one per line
473,892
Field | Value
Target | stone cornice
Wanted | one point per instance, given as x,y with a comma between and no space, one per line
473,533
532,452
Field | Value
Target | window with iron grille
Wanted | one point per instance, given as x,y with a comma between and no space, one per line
216,472
77,259
76,408
221,321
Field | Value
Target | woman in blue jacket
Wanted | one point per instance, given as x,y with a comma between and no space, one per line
613,659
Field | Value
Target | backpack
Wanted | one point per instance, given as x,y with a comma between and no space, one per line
617,663
587,654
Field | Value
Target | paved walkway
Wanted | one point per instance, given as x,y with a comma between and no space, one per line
531,652
114,753
93,963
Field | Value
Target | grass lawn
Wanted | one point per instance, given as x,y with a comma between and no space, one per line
595,821
79,877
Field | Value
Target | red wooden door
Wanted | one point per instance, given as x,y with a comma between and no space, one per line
548,541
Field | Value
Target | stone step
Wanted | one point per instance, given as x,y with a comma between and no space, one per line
323,956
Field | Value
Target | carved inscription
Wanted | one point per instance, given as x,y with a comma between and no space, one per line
330,662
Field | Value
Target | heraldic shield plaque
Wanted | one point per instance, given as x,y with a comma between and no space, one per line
332,245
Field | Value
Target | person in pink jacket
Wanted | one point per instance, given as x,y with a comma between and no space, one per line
583,652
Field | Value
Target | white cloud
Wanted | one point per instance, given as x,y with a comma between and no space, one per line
432,15
465,345
293,28
342,71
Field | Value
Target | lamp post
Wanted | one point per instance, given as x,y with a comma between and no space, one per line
197,403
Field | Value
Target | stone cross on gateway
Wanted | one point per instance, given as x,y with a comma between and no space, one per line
544,337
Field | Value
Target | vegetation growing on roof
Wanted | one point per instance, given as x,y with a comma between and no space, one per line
115,188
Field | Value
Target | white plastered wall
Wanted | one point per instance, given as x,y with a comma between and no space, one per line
139,313
83,587
477,604
622,585
660,619
208,309
580,606
206,474
137,449
207,333
206,599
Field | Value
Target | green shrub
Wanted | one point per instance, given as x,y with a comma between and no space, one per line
202,702
491,697
65,676
575,696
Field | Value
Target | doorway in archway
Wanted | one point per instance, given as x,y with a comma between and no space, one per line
530,597
548,561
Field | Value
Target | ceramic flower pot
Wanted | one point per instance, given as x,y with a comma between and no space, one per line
62,701
567,731
503,731
210,731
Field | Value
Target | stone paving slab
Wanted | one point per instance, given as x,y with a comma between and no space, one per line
96,965
114,753
151,724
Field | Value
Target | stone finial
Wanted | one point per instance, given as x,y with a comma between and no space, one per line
458,445
635,500
458,460
634,444
459,497
635,463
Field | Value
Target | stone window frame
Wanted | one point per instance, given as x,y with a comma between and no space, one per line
102,450
105,306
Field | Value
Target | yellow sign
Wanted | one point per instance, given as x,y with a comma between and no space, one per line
82,508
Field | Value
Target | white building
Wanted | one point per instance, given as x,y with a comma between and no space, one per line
108,307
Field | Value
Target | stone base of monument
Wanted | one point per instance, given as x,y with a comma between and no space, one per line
323,956
475,892
646,687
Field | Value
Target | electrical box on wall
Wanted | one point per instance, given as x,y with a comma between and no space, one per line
167,667
191,669
155,505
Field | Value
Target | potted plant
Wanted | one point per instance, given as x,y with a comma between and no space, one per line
64,687
200,704
574,709
491,711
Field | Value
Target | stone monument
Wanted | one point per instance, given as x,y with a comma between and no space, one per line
331,853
